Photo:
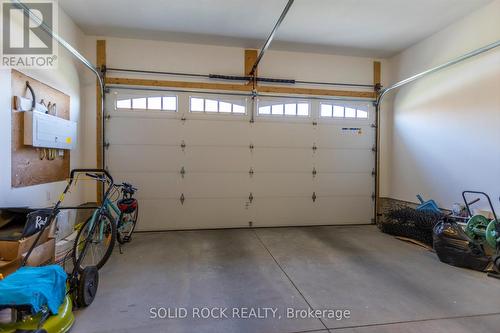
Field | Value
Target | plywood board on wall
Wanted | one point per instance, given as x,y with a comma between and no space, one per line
27,167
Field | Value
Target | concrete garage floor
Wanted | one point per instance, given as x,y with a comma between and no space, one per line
386,284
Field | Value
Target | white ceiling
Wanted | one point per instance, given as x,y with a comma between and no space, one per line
376,28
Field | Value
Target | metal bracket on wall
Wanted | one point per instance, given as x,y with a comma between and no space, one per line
182,199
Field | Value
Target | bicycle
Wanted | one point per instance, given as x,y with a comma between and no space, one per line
115,220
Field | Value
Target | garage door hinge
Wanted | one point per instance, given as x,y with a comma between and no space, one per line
251,172
373,172
183,172
106,145
251,147
107,116
107,90
374,149
183,145
373,125
373,196
250,197
315,123
182,199
314,172
183,119
314,147
314,196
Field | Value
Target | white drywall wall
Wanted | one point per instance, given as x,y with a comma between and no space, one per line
206,59
66,79
446,135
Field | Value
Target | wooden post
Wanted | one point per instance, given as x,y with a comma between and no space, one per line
378,84
250,58
100,62
377,73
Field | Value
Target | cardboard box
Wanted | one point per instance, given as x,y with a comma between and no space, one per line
9,267
43,254
13,252
10,250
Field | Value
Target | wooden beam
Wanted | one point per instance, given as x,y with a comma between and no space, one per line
250,58
239,87
377,72
100,61
178,84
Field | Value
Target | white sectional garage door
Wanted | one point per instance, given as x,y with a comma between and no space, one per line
219,170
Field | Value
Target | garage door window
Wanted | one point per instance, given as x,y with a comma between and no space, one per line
343,112
158,103
300,109
198,104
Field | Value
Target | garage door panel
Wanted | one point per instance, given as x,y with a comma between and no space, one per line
216,133
349,184
193,214
282,160
132,158
303,211
216,159
281,184
345,136
126,158
202,185
282,134
340,160
135,130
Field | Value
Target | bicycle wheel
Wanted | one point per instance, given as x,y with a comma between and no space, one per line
100,238
126,226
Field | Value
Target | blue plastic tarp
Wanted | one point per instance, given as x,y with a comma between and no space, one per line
35,287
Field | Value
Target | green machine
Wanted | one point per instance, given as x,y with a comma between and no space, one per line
483,230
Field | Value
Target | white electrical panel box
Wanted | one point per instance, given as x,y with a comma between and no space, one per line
47,131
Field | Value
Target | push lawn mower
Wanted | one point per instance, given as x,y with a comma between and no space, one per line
41,299
482,230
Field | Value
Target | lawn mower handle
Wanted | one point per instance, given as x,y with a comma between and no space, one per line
72,175
467,204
